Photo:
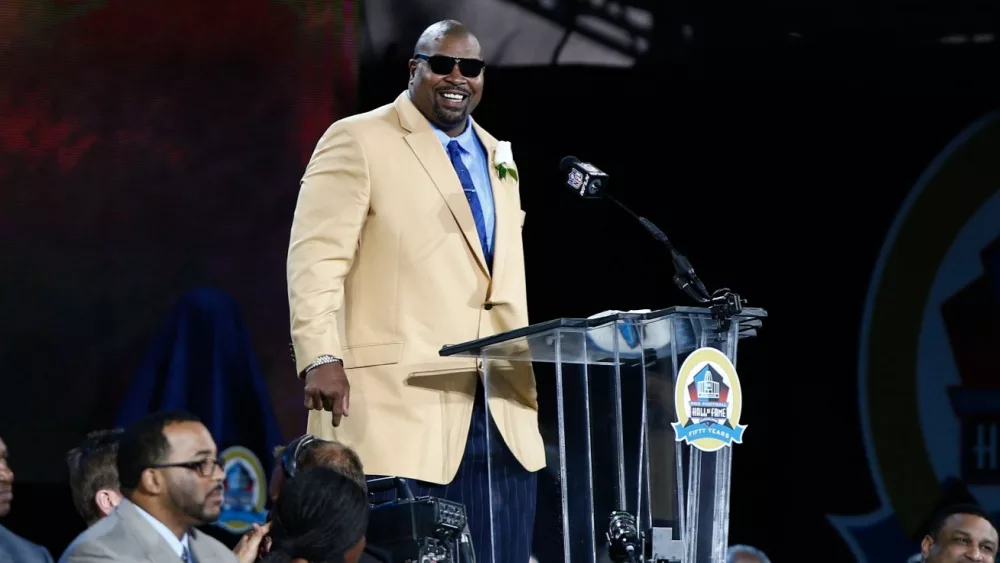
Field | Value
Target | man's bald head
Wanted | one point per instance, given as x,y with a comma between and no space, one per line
338,457
745,554
438,32
320,453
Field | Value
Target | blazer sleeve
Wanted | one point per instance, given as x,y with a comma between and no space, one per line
333,202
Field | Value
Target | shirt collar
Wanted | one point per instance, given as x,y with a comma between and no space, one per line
467,140
177,545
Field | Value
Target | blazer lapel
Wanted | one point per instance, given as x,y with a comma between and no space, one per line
427,148
200,555
156,548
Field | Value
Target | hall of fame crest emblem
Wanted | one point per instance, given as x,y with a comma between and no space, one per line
708,401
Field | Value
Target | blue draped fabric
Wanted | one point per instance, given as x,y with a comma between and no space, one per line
201,361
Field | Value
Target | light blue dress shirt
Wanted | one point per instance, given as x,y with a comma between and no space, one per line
477,162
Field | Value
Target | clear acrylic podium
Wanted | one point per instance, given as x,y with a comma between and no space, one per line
606,405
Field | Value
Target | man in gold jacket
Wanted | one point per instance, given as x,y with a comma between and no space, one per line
405,239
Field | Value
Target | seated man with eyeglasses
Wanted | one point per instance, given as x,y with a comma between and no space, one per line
172,481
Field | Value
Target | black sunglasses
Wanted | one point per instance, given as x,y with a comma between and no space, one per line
205,467
290,455
440,64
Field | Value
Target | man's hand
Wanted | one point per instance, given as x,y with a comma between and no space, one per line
249,547
327,389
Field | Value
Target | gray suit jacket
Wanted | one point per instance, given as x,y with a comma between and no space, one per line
124,535
15,549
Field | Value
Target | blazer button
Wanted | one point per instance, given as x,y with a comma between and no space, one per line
487,306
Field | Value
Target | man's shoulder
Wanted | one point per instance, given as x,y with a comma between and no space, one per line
369,121
20,549
103,538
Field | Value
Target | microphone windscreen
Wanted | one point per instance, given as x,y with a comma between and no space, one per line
567,162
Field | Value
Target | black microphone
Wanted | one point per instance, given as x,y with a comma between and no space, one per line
590,182
583,177
625,543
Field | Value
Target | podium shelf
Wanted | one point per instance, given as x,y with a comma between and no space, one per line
593,340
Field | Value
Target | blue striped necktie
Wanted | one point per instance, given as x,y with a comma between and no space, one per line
185,556
455,153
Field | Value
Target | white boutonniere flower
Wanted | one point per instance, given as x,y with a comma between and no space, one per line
503,160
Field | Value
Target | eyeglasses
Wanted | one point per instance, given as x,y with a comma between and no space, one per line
443,65
290,456
204,467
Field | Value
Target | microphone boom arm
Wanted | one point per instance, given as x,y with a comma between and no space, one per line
724,303
591,183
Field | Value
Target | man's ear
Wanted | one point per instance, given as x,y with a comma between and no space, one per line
925,546
107,500
413,69
151,481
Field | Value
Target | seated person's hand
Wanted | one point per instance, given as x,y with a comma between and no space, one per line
253,544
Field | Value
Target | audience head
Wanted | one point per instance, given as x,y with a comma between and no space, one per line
168,465
308,451
745,554
6,480
320,517
93,475
961,532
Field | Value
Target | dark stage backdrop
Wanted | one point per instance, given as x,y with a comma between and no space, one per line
147,149
517,32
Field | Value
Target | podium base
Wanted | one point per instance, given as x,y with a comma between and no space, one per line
665,547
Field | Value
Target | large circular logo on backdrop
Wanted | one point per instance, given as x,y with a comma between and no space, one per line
246,491
928,391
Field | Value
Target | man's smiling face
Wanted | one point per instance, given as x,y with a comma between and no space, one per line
447,100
